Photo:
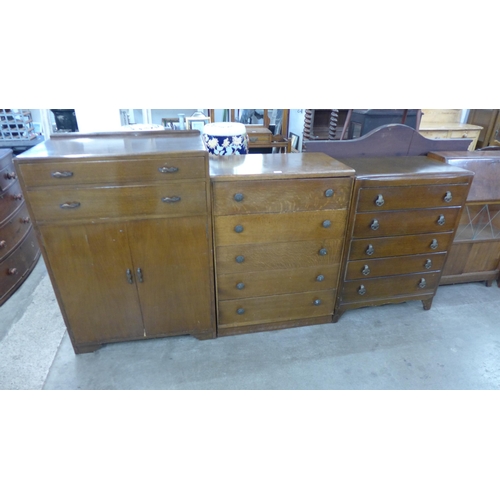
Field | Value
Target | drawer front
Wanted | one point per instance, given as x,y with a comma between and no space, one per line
11,200
18,263
275,282
392,266
258,135
188,198
14,230
374,248
280,196
464,134
277,308
369,224
384,288
402,198
72,173
288,255
8,177
267,228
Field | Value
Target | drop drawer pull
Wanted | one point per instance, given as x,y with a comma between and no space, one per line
17,197
361,290
448,197
70,204
3,244
11,271
428,264
422,283
375,224
366,270
26,220
370,250
441,220
379,201
129,276
171,199
168,170
434,244
10,176
62,175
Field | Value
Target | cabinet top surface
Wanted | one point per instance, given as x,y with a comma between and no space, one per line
276,166
465,155
115,145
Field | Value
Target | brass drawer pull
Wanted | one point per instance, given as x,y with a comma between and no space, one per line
238,228
171,199
3,244
70,204
320,277
448,197
139,275
428,264
17,197
370,250
62,175
434,244
441,220
11,271
361,290
10,176
366,270
323,251
238,197
240,286
329,193
326,223
375,224
129,276
379,201
422,283
317,302
240,311
168,170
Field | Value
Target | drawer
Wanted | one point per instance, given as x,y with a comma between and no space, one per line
287,255
14,230
186,198
392,266
275,308
258,135
70,173
464,134
402,198
406,222
267,228
10,201
242,285
384,288
8,177
373,248
17,264
280,196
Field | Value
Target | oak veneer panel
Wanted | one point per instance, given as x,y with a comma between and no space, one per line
275,308
409,222
280,196
285,255
484,256
277,282
393,246
266,228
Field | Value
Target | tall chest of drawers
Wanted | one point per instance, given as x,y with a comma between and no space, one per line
19,251
279,227
124,222
403,217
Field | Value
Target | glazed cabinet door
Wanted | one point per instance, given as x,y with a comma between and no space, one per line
95,280
172,267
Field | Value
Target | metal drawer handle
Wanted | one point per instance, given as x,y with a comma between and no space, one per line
240,259
129,276
3,244
370,250
326,223
448,197
238,228
366,270
240,286
253,139
434,244
428,264
375,224
329,193
171,199
238,197
422,283
317,302
61,175
441,220
11,271
323,251
320,277
379,201
240,311
361,290
17,197
26,220
168,170
10,176
139,275
70,204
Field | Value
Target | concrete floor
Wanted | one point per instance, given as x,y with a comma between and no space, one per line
455,345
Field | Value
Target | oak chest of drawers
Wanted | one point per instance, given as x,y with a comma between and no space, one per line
124,222
403,217
19,251
279,227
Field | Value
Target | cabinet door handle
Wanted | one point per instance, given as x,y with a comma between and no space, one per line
370,250
70,204
129,277
171,199
379,201
448,197
168,170
441,220
434,244
375,224
62,175
139,275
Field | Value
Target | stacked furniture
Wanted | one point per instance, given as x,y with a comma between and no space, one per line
475,254
403,217
279,225
19,251
124,222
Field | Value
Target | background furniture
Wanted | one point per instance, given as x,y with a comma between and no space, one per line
124,222
403,216
489,119
475,254
445,124
19,251
279,224
362,121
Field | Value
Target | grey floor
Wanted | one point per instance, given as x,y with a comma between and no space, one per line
455,345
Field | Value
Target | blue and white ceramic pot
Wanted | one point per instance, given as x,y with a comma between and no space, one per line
225,138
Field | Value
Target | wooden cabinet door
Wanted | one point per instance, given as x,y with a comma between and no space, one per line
89,263
172,258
